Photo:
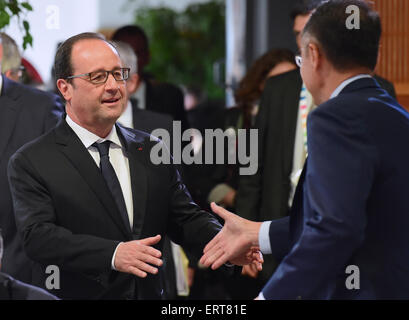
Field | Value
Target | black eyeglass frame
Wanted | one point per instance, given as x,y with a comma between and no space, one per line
124,75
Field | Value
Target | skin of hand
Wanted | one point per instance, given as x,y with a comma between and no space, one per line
190,276
137,257
250,270
236,243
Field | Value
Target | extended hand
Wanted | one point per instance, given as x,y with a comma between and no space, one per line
136,256
236,243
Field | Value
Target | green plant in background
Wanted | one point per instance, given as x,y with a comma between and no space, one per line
16,8
185,45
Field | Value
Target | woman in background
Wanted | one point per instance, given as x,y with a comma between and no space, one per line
242,116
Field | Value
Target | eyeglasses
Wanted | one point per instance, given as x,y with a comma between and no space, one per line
98,77
298,61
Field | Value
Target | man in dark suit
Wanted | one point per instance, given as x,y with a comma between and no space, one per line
346,237
88,198
25,114
282,150
12,289
152,95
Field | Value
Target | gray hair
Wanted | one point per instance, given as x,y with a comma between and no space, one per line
127,55
11,55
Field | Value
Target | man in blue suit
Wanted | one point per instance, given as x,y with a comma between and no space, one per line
351,209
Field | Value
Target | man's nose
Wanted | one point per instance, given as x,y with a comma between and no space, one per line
111,83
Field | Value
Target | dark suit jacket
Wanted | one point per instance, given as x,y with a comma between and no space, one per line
166,98
12,289
264,196
148,121
67,216
25,114
145,120
351,205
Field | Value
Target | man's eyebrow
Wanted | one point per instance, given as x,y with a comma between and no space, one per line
103,70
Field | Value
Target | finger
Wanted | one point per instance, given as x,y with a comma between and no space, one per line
221,212
150,241
220,261
145,267
137,272
212,243
149,259
212,254
148,250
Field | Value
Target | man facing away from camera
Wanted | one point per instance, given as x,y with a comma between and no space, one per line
346,237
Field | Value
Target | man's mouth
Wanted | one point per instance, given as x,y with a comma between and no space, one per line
110,101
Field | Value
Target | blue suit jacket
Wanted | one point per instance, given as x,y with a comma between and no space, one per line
352,203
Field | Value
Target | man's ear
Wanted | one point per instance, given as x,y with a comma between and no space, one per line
133,83
65,89
315,53
1,53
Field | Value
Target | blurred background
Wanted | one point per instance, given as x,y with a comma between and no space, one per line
203,44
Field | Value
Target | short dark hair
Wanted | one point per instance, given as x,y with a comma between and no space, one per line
346,48
62,61
304,7
136,37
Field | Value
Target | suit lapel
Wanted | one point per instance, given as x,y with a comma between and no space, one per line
72,147
9,110
139,179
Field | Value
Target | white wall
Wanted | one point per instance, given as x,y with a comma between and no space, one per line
53,21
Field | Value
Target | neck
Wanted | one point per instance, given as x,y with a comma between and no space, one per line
102,129
333,80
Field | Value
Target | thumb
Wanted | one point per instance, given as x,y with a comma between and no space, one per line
150,241
220,211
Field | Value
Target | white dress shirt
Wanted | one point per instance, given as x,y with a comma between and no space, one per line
263,235
117,157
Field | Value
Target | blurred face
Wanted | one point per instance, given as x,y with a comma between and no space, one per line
299,23
96,107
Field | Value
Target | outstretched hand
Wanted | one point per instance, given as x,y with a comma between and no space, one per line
236,243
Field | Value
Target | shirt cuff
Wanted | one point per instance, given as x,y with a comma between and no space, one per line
113,257
264,238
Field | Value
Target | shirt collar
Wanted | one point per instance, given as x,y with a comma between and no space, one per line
88,138
347,82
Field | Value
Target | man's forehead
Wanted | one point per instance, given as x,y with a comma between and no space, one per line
86,46
94,50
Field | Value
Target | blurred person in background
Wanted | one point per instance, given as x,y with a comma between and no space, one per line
151,95
11,61
25,114
12,289
242,116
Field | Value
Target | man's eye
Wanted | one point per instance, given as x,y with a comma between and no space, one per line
118,74
97,76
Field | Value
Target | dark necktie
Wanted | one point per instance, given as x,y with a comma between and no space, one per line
112,180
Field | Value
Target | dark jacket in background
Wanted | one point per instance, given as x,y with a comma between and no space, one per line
25,114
